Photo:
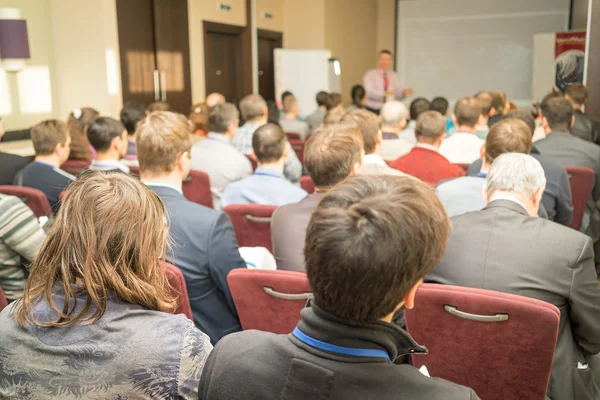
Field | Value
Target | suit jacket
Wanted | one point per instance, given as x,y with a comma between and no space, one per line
288,232
586,128
205,250
427,165
10,164
501,248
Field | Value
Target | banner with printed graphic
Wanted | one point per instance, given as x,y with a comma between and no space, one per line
569,56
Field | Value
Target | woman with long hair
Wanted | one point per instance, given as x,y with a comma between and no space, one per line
77,123
92,321
359,97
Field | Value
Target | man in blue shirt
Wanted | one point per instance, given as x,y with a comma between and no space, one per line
267,185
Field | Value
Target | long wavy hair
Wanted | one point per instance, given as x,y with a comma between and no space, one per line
108,238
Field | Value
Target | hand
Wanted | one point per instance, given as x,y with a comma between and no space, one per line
389,93
408,92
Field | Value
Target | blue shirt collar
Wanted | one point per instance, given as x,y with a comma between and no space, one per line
265,171
165,185
218,137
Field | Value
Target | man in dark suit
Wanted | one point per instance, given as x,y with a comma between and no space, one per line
569,150
332,154
10,164
204,245
506,248
584,127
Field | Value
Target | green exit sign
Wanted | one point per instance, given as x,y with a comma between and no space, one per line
224,7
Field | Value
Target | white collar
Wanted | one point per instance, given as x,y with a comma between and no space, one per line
374,159
111,164
427,146
507,198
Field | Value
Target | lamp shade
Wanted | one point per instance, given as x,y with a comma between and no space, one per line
14,43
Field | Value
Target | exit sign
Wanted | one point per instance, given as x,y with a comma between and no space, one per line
224,7
267,15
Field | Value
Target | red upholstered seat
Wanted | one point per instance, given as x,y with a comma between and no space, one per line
503,348
253,162
298,147
3,301
35,199
269,301
307,184
293,136
177,282
581,180
465,167
252,224
75,167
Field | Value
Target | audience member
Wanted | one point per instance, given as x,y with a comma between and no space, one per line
109,137
281,111
358,96
77,124
584,127
424,161
464,147
204,242
290,122
334,116
89,323
417,107
267,185
382,84
199,116
10,164
368,125
214,99
20,239
441,105
557,200
485,100
334,100
131,115
366,255
506,248
569,150
158,106
51,142
501,106
254,112
315,119
393,119
332,154
216,156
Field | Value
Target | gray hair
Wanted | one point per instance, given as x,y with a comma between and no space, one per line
393,112
518,173
252,107
221,117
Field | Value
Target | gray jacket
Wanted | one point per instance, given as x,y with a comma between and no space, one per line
501,248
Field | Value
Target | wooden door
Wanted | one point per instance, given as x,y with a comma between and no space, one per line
268,41
223,63
172,44
136,49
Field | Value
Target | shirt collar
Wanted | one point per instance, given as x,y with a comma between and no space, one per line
165,185
218,137
266,171
110,164
427,146
507,198
373,159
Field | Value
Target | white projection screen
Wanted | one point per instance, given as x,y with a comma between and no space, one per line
454,48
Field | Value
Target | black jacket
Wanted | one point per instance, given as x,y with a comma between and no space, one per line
10,165
259,365
586,128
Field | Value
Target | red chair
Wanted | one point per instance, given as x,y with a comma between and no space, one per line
134,170
499,344
177,282
581,180
298,147
465,167
35,199
75,167
253,162
4,302
307,184
293,136
252,224
269,301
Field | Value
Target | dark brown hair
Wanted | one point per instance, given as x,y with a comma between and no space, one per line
578,93
47,134
370,240
268,143
499,102
158,106
485,101
199,116
467,111
368,125
509,135
558,111
334,100
77,124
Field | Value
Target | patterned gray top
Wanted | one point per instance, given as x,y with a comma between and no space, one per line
131,353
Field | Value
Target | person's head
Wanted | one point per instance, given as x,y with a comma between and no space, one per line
332,153
334,100
164,144
524,116
557,114
322,99
285,95
394,116
509,135
334,115
108,237
500,103
368,125
158,106
419,106
359,96
269,144
577,94
51,139
213,99
131,115
199,116
441,105
485,101
224,119
384,60
370,243
290,106
109,137
431,128
79,120
254,109
466,113
519,176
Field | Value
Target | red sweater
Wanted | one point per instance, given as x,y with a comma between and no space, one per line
427,165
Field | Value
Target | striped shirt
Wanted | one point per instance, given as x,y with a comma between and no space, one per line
20,237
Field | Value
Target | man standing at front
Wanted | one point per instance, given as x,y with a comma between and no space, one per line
382,84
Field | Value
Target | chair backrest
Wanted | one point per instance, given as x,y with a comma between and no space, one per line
3,301
196,188
177,282
465,167
269,301
499,344
75,167
298,146
35,199
293,136
252,224
252,161
134,170
307,184
581,180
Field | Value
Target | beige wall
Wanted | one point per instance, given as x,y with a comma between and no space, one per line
304,24
580,13
275,7
385,25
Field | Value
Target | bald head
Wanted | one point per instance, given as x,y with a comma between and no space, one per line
268,143
214,99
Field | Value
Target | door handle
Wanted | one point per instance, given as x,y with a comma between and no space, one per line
156,86
260,73
218,72
475,317
163,85
287,296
